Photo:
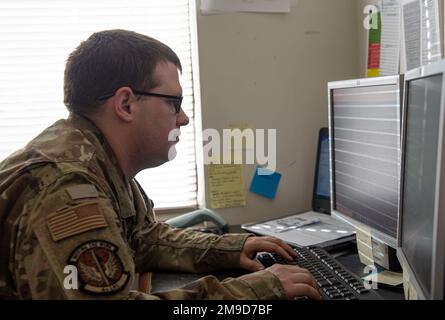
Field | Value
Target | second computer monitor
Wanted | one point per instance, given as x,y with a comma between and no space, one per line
364,123
421,240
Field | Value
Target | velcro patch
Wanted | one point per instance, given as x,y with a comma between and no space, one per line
100,268
75,220
82,191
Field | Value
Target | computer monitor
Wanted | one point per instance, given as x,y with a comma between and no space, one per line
364,124
421,236
321,199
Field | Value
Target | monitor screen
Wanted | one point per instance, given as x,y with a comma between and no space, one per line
365,126
323,187
419,176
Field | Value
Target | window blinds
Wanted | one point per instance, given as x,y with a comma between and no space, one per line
35,40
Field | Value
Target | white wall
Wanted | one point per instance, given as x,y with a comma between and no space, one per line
271,70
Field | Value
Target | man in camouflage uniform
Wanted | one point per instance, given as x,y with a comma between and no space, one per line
69,197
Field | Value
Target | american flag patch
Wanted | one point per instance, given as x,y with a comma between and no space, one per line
70,221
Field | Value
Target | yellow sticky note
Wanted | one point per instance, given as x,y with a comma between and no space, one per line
226,186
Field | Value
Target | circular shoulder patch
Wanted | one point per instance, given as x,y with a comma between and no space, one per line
99,267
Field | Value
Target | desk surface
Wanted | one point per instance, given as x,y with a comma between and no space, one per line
165,281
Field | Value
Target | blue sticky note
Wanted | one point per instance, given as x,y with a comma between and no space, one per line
265,185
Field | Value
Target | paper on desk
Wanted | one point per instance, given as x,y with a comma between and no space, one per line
390,42
387,277
327,229
224,6
226,186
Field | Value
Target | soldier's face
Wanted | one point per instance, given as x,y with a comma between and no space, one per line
157,124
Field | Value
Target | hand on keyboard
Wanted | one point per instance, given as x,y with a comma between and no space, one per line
296,281
335,281
267,244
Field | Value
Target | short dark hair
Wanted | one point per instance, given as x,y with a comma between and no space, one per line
108,60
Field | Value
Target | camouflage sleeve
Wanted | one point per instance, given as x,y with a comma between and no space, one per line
69,247
261,285
161,247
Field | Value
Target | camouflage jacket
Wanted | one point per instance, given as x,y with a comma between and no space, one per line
66,210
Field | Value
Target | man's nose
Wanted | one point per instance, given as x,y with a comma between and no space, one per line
182,119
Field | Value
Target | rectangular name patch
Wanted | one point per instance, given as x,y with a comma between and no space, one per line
82,191
75,220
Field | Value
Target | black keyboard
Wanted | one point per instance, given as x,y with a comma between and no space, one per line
334,280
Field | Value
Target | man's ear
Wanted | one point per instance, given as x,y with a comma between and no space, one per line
122,104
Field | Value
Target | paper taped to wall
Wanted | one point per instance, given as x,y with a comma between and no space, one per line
226,186
390,41
422,32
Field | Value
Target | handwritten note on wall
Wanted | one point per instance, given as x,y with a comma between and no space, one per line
226,186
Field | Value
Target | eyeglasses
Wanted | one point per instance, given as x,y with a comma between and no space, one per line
176,101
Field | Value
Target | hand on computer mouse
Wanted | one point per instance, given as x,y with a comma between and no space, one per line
296,281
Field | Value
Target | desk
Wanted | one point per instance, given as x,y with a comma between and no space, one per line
164,281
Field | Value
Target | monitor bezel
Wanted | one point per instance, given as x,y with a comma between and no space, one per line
366,82
438,259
